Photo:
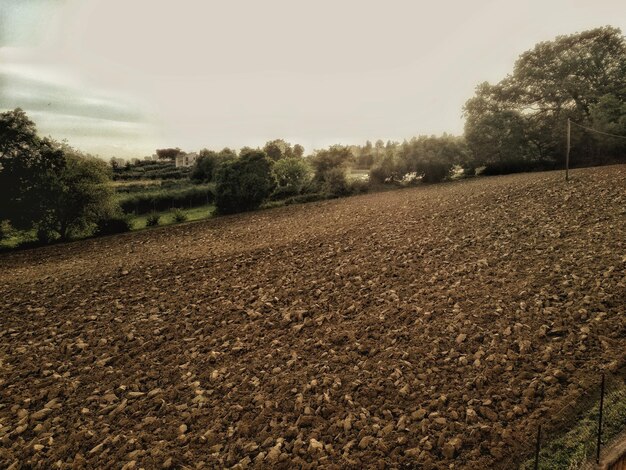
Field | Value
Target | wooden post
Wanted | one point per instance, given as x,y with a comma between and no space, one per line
600,421
537,448
569,133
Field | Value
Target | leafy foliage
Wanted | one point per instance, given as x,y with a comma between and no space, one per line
429,159
243,184
291,175
48,186
149,169
179,216
117,223
168,153
523,117
207,163
278,149
153,220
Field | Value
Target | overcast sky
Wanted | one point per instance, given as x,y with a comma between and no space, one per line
124,77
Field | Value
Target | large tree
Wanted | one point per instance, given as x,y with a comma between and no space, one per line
49,186
28,169
169,153
524,115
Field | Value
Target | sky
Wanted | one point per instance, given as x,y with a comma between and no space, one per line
124,77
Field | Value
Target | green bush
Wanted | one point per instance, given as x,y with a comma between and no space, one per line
243,184
113,224
518,166
153,220
5,229
46,235
303,198
385,171
359,186
335,183
435,171
179,216
162,200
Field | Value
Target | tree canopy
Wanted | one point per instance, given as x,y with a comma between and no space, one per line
48,186
169,153
243,183
580,76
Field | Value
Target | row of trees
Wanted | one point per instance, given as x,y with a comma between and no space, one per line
277,171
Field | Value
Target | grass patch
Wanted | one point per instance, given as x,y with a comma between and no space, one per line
168,217
578,445
26,238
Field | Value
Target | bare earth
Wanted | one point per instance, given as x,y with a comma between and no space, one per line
420,327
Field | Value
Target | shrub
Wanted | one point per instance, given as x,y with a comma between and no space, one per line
303,198
161,200
113,224
179,216
518,166
359,186
435,171
5,229
243,184
385,171
46,235
335,183
153,220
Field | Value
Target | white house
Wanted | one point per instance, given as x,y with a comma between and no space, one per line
186,159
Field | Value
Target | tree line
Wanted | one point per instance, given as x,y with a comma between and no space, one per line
517,124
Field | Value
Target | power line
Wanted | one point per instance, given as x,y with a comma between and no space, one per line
569,132
599,132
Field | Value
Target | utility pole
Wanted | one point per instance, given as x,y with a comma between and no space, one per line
569,132
600,421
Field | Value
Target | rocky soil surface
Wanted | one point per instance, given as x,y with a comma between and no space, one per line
432,327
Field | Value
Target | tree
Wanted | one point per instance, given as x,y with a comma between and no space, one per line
291,175
81,197
243,184
335,157
330,169
49,186
169,153
17,134
227,153
205,165
298,151
28,166
523,117
609,115
278,149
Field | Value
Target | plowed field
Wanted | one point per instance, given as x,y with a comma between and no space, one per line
412,328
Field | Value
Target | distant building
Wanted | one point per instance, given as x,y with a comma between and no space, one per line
186,159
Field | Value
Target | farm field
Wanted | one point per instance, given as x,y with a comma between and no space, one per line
421,328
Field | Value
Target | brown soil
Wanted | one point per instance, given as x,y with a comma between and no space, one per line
423,327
